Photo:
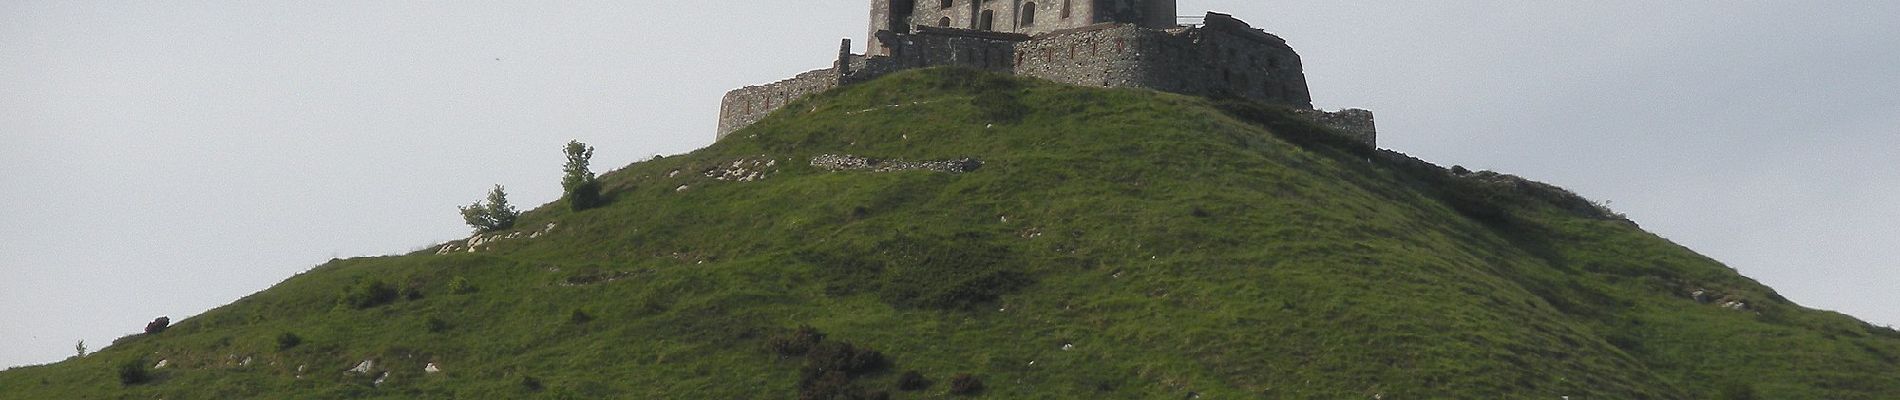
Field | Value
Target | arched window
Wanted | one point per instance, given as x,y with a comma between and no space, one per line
1029,14
987,21
943,23
946,3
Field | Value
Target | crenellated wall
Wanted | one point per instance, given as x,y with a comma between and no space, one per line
745,106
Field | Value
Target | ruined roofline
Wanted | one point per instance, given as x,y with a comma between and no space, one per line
1228,23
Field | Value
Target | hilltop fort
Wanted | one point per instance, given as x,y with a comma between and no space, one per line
1106,43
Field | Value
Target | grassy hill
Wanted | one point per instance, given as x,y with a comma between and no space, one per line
1097,244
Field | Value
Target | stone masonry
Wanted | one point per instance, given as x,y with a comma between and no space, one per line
1104,43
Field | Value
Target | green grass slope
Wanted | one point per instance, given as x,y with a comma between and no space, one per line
1113,244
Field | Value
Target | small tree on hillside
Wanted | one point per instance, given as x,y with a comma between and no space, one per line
583,191
491,215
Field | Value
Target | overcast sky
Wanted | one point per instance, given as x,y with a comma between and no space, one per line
164,158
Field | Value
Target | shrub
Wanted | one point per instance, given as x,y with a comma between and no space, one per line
288,340
828,357
133,372
460,285
491,215
368,293
795,342
158,325
437,325
413,291
1737,391
579,316
912,381
585,196
965,384
531,384
825,386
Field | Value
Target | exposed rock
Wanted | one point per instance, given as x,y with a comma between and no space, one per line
162,364
158,325
380,379
431,368
364,367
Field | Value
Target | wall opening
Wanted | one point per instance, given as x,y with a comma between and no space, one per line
943,23
901,10
1029,14
986,22
1065,8
946,3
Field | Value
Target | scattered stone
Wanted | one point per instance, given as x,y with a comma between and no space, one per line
431,368
245,363
682,188
380,379
364,367
836,163
1068,346
744,170
1700,296
673,174
162,364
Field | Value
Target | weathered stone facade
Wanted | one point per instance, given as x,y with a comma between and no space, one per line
1106,43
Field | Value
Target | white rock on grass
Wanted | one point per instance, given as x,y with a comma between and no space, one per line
162,364
431,368
364,367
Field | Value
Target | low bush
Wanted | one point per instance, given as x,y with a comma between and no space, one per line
288,340
133,372
579,316
830,357
585,196
965,384
368,293
912,381
437,325
460,285
795,342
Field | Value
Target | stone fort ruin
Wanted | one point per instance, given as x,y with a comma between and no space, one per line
1106,43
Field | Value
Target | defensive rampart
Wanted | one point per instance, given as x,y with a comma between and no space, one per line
1222,57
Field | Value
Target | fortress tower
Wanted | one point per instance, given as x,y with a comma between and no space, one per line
1103,43
1028,17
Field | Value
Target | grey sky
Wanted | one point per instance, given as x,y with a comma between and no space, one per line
164,158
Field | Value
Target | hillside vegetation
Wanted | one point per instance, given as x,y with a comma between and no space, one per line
1046,241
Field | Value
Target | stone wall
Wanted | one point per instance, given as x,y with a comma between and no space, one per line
934,47
1226,57
745,106
1222,57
